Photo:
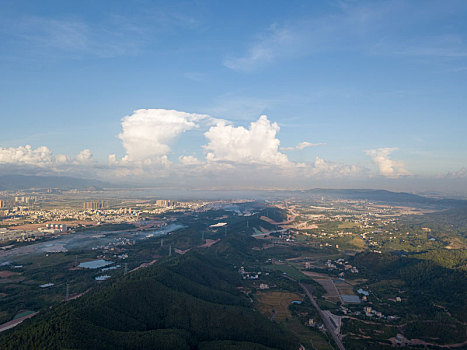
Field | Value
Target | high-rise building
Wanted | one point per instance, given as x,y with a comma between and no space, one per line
93,205
165,203
25,199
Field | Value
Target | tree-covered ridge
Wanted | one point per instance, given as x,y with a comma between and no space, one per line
447,222
426,281
185,302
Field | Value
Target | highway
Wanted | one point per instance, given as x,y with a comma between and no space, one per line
327,323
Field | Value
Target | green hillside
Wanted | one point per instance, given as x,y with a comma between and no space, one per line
184,302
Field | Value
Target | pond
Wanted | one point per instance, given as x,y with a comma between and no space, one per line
95,264
102,278
364,292
110,268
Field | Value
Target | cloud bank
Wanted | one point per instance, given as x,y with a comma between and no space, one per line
42,161
230,155
459,174
41,156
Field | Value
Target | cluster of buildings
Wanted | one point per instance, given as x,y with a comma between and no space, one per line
339,264
318,325
18,200
115,249
249,275
26,199
165,203
28,223
20,236
370,312
94,211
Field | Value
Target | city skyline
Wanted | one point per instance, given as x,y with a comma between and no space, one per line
239,95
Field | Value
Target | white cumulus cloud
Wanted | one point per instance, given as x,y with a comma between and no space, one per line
41,156
256,145
112,159
302,146
43,160
62,158
387,167
85,156
327,168
147,133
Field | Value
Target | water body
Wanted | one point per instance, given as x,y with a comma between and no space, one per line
86,240
110,268
95,264
102,278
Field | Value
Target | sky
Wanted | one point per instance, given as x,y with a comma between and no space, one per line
237,94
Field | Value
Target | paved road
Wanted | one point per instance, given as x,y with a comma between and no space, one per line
327,323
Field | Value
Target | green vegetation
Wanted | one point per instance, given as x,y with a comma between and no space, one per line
182,302
433,305
274,213
199,300
348,224
289,270
425,281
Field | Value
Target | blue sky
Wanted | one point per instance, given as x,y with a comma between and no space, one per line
377,89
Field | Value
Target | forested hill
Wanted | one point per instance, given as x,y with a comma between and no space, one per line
184,302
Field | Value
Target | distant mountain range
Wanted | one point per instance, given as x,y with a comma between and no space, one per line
394,198
369,194
22,182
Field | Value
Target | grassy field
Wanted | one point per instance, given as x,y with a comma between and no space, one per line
348,225
357,242
288,269
309,335
276,303
345,288
326,305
